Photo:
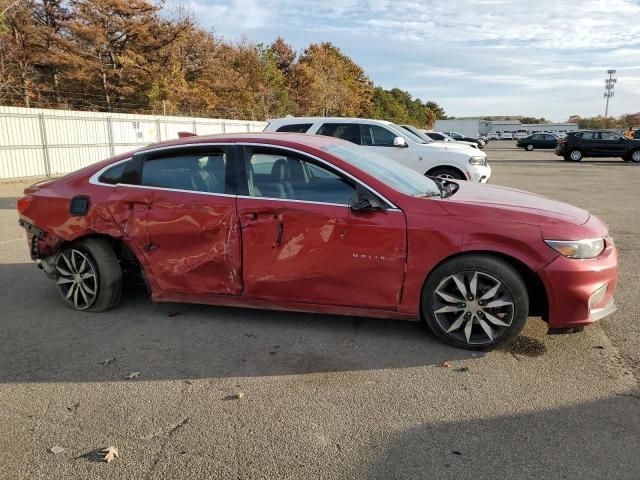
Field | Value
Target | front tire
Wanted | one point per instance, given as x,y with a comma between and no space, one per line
635,156
475,302
449,173
89,275
529,148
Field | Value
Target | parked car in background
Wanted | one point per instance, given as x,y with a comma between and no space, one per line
538,140
442,137
314,223
506,136
460,137
598,143
520,134
428,158
493,136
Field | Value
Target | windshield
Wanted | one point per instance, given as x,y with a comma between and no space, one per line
405,133
389,172
417,133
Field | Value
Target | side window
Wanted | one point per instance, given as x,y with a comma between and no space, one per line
280,175
345,131
377,136
609,137
589,135
125,173
193,172
295,128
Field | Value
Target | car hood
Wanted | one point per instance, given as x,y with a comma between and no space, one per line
456,147
494,202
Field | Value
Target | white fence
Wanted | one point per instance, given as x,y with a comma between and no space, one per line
39,142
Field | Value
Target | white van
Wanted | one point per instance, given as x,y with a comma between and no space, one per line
448,160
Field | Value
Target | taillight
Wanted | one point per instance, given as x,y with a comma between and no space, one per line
23,203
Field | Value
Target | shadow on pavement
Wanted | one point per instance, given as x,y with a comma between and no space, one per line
44,341
8,203
589,441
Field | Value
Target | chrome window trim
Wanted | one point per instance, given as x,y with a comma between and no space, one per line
94,178
324,162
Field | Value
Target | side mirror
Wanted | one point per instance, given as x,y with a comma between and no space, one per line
400,142
367,202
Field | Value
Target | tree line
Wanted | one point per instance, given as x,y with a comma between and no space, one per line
138,57
599,122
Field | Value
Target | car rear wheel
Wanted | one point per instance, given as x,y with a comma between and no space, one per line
450,173
574,155
529,147
475,302
635,156
89,275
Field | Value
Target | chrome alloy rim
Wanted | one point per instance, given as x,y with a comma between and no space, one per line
576,155
635,156
473,307
77,278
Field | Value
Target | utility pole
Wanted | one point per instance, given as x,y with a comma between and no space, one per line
609,83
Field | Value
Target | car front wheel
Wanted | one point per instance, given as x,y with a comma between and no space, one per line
449,173
635,156
89,276
529,147
475,302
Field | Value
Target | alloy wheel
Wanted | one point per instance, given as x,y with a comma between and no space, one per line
448,176
77,278
635,156
529,147
576,155
473,307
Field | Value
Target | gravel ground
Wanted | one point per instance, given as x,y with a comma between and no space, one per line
320,396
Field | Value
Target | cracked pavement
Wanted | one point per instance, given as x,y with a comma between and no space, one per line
323,396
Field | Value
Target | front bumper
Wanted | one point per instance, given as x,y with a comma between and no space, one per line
570,283
478,173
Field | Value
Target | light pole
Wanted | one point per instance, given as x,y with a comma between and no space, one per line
609,83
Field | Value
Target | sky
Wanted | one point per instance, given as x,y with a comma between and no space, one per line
542,58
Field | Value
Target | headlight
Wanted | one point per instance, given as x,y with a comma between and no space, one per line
478,161
589,248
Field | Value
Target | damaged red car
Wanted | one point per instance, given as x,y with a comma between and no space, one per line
317,224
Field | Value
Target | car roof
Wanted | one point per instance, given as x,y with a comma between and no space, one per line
275,138
283,120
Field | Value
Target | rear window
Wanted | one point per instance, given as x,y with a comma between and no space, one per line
125,173
345,131
295,128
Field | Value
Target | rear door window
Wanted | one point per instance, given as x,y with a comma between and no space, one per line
295,128
345,131
192,172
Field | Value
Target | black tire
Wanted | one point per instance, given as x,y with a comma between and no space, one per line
106,267
491,267
529,148
634,156
445,172
574,155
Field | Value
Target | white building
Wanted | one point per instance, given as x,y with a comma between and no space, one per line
473,127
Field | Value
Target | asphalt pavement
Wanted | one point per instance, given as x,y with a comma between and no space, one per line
228,393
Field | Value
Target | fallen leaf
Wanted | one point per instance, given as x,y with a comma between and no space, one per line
462,369
74,407
174,314
56,449
108,361
239,395
109,453
456,452
599,347
132,375
445,365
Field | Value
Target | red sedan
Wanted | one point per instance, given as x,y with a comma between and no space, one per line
313,223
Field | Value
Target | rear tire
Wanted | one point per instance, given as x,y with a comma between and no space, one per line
89,275
574,155
635,156
475,314
444,172
529,148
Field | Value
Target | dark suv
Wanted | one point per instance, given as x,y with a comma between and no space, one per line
598,143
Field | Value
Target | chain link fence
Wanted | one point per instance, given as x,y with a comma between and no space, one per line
40,142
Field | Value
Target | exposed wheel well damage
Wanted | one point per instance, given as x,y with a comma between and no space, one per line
538,302
129,262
